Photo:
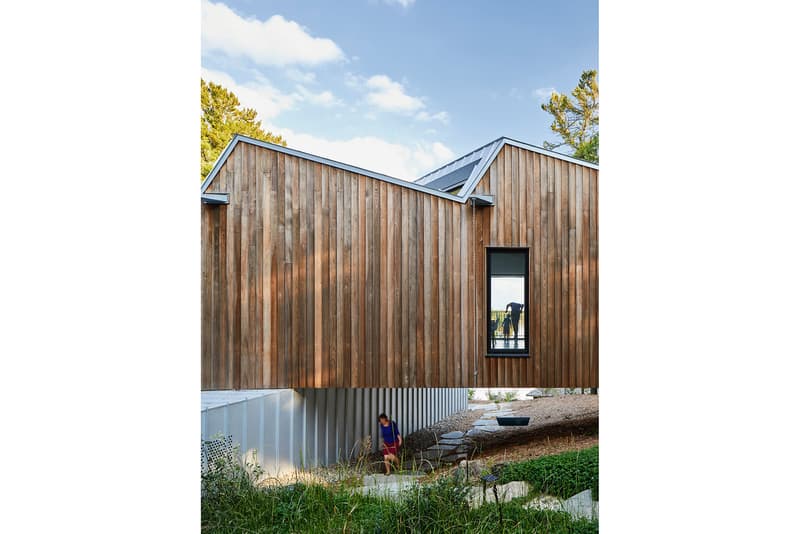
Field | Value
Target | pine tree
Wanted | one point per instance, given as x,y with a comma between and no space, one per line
577,121
222,117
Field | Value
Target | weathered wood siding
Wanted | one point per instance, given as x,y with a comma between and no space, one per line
549,206
317,277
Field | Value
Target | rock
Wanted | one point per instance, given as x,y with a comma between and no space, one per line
512,490
476,431
391,486
505,493
456,434
442,447
472,468
580,505
535,393
451,441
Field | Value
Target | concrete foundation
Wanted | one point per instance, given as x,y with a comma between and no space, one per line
288,429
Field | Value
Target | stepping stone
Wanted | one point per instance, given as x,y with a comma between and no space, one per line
505,492
391,486
491,428
580,505
430,455
453,458
483,422
481,406
496,414
451,441
440,447
453,435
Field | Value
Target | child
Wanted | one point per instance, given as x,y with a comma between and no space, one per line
507,326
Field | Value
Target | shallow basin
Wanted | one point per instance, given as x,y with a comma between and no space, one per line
513,421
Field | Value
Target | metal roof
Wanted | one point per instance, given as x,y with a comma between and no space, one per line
465,171
461,170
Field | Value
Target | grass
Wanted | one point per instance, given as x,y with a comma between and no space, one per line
232,502
562,475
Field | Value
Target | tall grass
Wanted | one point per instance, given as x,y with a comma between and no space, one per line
233,502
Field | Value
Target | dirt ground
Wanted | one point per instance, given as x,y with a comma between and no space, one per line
558,424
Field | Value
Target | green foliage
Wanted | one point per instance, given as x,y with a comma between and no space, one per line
501,396
222,117
509,396
562,475
232,502
470,394
576,120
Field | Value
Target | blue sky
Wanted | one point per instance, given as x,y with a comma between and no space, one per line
398,86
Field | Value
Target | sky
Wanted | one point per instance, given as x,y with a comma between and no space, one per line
399,87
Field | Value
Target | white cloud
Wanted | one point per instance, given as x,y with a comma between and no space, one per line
323,98
300,76
385,94
404,3
441,116
543,93
275,41
268,101
389,95
406,162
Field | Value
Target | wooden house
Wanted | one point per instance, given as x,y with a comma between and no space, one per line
319,274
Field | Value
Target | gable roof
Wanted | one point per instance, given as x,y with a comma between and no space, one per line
462,170
467,171
463,173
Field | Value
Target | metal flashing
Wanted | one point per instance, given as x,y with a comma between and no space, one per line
215,198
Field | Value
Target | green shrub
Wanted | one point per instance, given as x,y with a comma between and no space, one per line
470,394
562,475
509,396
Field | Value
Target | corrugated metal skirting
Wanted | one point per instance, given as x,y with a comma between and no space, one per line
289,428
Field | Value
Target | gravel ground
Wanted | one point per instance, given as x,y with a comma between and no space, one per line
551,417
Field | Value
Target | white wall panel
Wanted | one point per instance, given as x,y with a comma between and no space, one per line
287,429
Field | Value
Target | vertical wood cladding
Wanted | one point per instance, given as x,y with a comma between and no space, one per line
315,277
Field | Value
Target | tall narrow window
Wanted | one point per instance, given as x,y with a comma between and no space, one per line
507,302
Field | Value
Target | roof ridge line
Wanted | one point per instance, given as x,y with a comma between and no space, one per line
458,158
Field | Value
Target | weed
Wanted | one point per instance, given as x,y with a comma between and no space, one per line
562,475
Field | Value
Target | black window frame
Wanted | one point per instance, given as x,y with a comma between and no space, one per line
494,352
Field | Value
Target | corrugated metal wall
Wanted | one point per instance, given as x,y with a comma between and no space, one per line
290,428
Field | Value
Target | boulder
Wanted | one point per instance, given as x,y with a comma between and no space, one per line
472,469
456,434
